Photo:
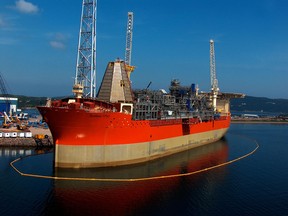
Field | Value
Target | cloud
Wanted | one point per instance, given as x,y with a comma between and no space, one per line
61,36
58,40
6,23
26,7
57,44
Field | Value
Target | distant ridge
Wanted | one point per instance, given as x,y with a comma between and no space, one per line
259,104
249,103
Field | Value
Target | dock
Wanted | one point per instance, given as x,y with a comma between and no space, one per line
31,137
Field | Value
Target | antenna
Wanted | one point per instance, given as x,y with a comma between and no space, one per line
85,79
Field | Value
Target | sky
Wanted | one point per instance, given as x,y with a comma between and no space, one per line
39,39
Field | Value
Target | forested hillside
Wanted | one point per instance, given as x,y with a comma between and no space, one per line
260,104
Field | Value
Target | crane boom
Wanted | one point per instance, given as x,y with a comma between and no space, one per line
85,79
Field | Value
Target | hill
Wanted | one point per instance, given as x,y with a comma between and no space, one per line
28,101
249,103
260,104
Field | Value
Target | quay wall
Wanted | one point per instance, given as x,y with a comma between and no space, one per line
26,142
17,141
26,138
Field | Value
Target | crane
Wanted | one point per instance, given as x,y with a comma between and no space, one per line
85,78
128,50
214,81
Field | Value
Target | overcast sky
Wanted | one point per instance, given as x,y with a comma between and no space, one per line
38,44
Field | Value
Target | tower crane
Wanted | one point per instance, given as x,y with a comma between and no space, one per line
85,78
128,50
214,81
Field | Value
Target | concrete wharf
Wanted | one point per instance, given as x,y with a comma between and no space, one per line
30,137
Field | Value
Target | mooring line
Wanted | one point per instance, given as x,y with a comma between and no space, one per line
132,179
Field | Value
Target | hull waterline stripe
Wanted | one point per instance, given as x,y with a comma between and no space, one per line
136,179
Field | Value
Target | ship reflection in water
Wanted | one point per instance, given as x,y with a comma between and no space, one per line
72,197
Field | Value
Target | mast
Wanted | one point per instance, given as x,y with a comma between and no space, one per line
128,50
214,81
85,78
129,33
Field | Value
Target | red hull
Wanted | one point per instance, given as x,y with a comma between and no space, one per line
89,137
82,127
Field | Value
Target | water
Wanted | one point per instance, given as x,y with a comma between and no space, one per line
255,185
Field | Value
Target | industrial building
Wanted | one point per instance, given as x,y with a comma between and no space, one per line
8,104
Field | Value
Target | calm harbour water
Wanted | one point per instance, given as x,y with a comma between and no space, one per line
255,185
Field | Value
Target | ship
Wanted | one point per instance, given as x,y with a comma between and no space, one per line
122,126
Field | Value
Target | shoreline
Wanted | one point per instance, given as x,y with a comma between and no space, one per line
258,121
